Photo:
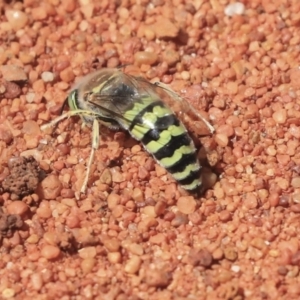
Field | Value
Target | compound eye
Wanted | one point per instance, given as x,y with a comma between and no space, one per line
87,96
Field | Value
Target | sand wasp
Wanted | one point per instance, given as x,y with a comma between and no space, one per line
117,100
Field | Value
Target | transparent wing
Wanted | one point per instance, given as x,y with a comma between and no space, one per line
116,106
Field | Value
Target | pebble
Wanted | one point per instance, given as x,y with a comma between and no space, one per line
50,252
13,73
186,204
16,18
8,293
295,183
47,76
67,75
73,221
217,254
106,177
36,281
145,58
200,258
221,139
164,28
44,211
236,8
17,208
5,135
225,216
230,254
138,195
111,244
179,219
136,249
50,187
157,278
31,127
114,257
235,268
87,265
39,13
117,176
87,252
160,207
280,116
132,266
113,200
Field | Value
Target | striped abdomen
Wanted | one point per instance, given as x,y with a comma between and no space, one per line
164,136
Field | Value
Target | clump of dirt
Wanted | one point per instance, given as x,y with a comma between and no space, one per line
24,177
8,223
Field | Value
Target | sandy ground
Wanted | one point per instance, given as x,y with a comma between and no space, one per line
135,234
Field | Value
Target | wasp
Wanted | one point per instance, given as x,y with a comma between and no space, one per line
118,100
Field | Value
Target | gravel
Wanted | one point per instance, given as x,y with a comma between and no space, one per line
136,234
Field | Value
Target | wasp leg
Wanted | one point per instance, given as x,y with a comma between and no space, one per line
95,145
188,106
69,114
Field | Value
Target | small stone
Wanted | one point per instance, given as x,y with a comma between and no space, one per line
50,188
12,90
50,252
17,208
221,139
136,249
111,244
170,56
230,254
13,73
138,195
225,216
31,128
5,135
44,211
236,8
235,268
87,265
16,18
133,264
145,58
186,204
280,116
295,183
87,252
117,176
160,207
200,258
157,278
67,75
179,219
39,13
113,200
164,28
106,177
217,254
36,281
114,257
47,76
8,293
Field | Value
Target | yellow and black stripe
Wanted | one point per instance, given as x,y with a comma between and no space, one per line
123,101
165,137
